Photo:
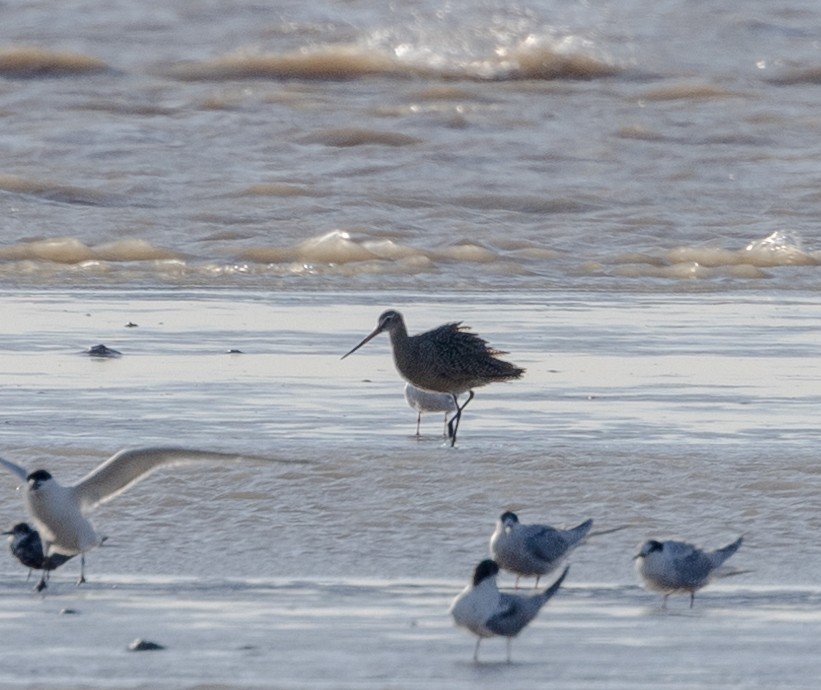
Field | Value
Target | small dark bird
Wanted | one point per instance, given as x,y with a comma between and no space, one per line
485,611
26,546
449,359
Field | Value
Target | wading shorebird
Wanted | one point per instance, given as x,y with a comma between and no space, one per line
427,401
676,567
533,550
485,611
59,512
449,359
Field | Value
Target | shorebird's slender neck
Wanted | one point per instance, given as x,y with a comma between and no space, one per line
400,344
398,331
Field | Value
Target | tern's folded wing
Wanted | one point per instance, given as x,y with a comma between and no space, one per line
510,618
543,542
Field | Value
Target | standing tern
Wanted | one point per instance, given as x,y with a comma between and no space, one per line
533,550
59,512
428,401
485,611
674,567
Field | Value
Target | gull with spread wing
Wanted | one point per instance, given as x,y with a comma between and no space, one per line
60,512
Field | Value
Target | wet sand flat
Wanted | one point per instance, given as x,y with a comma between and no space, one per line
330,562
375,634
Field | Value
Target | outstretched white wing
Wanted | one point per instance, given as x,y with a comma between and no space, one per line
14,469
130,466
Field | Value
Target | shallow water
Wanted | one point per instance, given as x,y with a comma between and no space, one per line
458,146
678,415
622,195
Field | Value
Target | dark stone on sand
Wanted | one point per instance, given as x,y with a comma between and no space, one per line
140,645
102,351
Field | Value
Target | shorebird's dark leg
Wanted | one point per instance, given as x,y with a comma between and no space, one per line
418,422
452,420
82,569
41,585
453,424
476,649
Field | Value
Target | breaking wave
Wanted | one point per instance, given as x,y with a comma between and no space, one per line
32,62
70,250
338,255
60,193
530,59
